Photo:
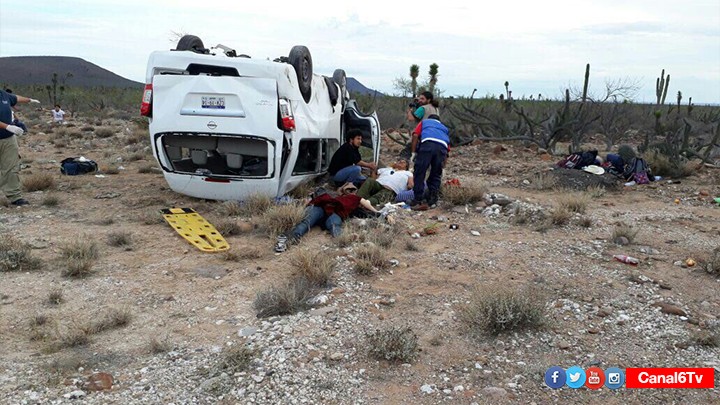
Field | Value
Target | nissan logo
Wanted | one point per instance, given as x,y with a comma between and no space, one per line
211,125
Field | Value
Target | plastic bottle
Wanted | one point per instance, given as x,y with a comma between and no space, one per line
627,259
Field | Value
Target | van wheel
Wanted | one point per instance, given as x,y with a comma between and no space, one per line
301,60
340,78
190,43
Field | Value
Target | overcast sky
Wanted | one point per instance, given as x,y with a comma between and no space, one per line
539,47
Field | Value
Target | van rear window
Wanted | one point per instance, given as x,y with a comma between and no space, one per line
198,69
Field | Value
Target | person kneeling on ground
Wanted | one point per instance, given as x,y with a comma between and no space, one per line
328,212
346,164
390,182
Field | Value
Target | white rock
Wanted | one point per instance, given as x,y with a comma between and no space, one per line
427,389
459,388
75,394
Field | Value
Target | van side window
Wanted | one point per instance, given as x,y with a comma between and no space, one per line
308,158
211,70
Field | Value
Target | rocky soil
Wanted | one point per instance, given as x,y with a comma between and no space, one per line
188,308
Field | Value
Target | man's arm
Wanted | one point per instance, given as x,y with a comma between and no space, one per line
369,165
21,99
415,137
411,182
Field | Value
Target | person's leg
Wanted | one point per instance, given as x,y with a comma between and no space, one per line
436,168
422,162
383,196
348,174
313,216
369,188
333,224
10,168
405,195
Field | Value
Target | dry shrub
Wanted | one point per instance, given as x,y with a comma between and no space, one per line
79,257
38,182
585,222
351,233
596,191
624,230
39,320
87,128
574,202
497,309
314,266
113,319
16,255
280,219
109,170
707,338
411,246
393,344
119,239
235,359
286,299
50,201
159,346
150,218
560,216
256,204
148,168
227,227
303,190
369,257
712,264
381,233
663,165
55,297
104,132
468,193
135,156
543,181
231,208
73,337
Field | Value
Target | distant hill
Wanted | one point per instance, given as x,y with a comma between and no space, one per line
355,86
38,70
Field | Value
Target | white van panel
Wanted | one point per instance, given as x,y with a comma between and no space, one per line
250,105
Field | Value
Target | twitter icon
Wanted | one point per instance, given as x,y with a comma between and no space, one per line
575,377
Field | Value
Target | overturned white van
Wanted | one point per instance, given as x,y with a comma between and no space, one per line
225,126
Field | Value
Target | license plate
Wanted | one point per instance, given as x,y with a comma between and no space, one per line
213,102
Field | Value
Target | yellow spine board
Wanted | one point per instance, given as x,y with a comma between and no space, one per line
195,229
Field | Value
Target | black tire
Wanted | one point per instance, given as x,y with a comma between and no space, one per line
340,78
301,60
190,43
332,90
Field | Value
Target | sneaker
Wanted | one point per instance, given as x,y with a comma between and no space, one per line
281,244
20,202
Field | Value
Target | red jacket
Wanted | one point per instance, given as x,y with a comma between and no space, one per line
342,205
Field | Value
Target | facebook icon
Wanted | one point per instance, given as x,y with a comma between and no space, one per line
555,377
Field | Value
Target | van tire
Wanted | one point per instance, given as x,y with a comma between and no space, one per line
301,60
190,43
332,90
340,78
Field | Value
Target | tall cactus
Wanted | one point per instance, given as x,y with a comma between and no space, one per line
587,80
679,99
414,73
433,72
661,87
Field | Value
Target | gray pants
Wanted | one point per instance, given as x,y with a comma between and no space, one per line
10,168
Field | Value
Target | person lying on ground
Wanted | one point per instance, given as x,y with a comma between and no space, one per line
327,211
390,182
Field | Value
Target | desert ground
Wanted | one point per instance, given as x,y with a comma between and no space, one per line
148,318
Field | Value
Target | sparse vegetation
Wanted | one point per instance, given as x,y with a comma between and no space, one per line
148,168
560,216
227,227
467,193
281,218
113,319
543,181
79,257
235,359
119,239
626,231
103,132
16,255
38,182
395,344
369,257
314,266
256,204
411,246
55,297
712,264
574,202
51,201
596,191
159,346
286,299
497,309
707,338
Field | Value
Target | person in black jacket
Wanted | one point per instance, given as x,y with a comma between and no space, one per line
346,164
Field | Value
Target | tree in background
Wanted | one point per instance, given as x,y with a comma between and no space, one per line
414,73
432,81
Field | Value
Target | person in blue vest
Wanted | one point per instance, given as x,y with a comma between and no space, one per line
429,149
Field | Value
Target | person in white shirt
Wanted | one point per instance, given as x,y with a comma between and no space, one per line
390,181
58,115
